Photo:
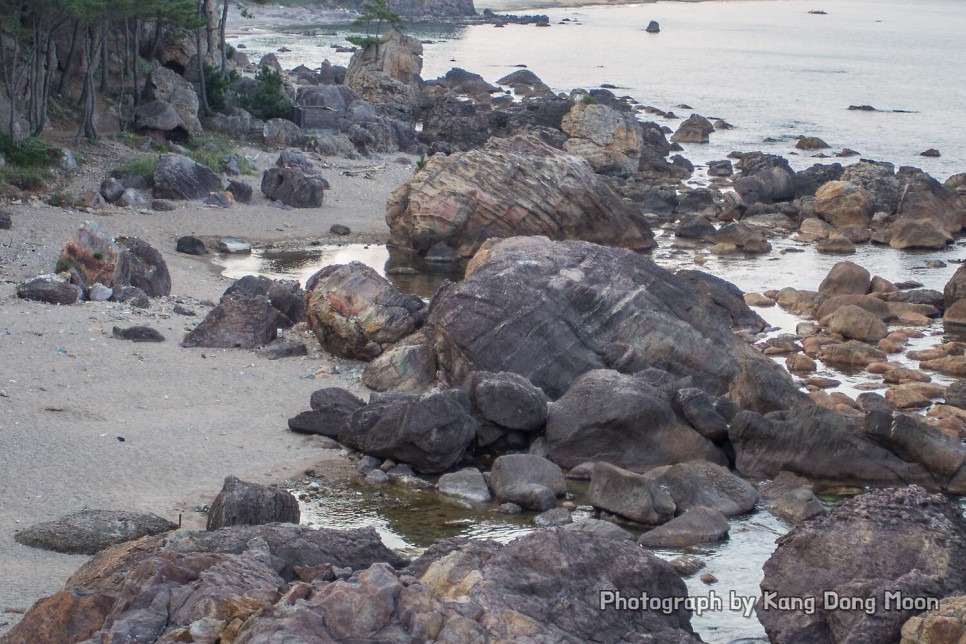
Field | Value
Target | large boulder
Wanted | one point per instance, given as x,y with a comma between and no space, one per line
955,289
282,133
879,179
166,85
49,289
409,366
331,408
89,531
695,129
178,177
293,187
610,141
623,420
922,234
243,503
158,116
855,322
880,550
96,257
846,278
594,306
387,75
821,445
430,432
510,187
843,204
355,312
244,318
765,178
516,469
697,525
924,199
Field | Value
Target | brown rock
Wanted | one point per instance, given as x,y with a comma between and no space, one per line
814,229
955,315
836,244
756,299
696,129
949,365
846,278
610,141
843,204
943,625
811,143
464,199
850,354
918,234
799,363
854,322
903,375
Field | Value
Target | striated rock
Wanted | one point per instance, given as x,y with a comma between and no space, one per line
243,503
630,495
587,300
125,261
355,312
843,204
697,525
387,75
163,84
695,129
431,432
50,289
464,199
178,177
623,420
819,444
293,187
902,541
610,141
89,531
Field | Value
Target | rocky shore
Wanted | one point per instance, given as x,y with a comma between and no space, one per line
137,378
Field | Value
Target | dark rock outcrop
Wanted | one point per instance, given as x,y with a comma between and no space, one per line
430,432
178,177
899,543
586,300
508,400
50,289
293,187
243,503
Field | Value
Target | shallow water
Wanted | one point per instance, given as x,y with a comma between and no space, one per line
768,67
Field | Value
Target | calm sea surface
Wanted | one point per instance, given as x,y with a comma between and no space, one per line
769,68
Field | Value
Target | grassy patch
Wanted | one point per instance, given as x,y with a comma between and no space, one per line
25,178
211,149
62,199
140,166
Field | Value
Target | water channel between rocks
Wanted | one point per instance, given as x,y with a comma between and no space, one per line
409,520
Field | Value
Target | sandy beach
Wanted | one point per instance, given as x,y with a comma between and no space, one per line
69,392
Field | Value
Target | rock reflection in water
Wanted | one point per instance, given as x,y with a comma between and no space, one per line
408,272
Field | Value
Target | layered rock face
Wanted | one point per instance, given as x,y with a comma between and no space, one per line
610,141
510,187
387,75
551,311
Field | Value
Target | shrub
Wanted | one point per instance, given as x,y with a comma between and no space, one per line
140,166
33,152
216,85
268,102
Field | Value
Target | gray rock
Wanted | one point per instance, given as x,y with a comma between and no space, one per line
339,229
510,508
100,293
281,133
89,531
903,541
701,484
218,199
465,484
601,529
163,205
514,469
138,334
630,495
430,432
6,222
508,400
241,191
796,505
529,496
50,289
111,189
687,565
178,177
407,367
191,246
237,322
697,525
293,187
553,518
282,348
243,503
132,296
132,198
653,27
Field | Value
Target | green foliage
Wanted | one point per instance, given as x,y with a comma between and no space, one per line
64,265
211,150
216,85
25,178
33,152
589,100
375,14
62,199
268,102
421,162
139,166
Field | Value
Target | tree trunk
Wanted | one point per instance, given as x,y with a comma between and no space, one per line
209,28
158,30
202,89
70,58
48,79
88,128
222,30
137,61
105,63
